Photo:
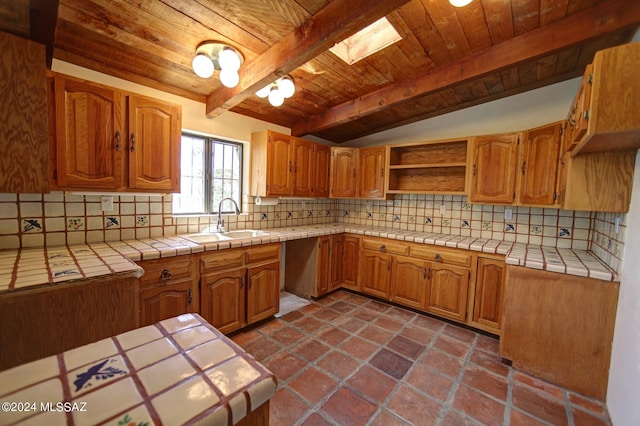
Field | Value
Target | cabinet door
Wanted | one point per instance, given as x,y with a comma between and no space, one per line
303,165
350,263
263,292
154,144
90,138
166,301
322,161
409,282
489,294
279,165
493,169
223,300
578,118
344,172
539,165
337,261
375,273
371,178
323,273
448,286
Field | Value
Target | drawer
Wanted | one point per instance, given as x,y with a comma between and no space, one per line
263,253
440,254
166,270
385,246
222,259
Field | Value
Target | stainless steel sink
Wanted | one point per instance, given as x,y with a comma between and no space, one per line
225,236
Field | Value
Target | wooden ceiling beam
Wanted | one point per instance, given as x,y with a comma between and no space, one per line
607,17
42,29
333,23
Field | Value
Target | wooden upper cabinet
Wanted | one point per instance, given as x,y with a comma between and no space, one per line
96,140
154,144
344,172
23,108
90,135
538,171
493,169
321,178
303,166
372,172
279,165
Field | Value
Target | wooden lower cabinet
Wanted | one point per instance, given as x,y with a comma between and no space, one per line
350,262
489,294
564,334
448,287
263,291
337,262
409,284
324,271
168,288
240,286
39,323
374,275
222,299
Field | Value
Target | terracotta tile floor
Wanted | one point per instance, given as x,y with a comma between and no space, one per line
349,360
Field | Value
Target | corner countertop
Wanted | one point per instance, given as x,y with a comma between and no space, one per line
30,268
178,371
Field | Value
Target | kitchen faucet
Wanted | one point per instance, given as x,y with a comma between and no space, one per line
220,222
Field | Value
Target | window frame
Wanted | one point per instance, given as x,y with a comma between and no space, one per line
209,144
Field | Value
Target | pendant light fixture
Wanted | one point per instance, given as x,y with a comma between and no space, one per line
460,3
278,91
213,55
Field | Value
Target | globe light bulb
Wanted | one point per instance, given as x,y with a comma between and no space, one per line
286,86
275,97
460,3
229,77
229,59
264,92
202,65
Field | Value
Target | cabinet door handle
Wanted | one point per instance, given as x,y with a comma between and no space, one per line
523,167
424,273
429,274
190,297
438,258
382,173
383,248
290,166
474,169
117,147
354,173
250,282
133,142
389,265
165,276
241,282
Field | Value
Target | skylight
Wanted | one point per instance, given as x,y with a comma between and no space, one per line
367,41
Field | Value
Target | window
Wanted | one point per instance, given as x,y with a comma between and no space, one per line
211,169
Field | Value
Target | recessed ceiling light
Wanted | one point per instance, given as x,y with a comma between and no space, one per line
366,42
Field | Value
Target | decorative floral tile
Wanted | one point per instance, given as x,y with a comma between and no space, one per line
276,215
75,223
509,227
138,416
142,220
396,218
96,374
446,222
327,213
263,216
345,213
369,215
535,230
289,215
564,232
111,222
310,214
428,221
465,224
486,226
31,225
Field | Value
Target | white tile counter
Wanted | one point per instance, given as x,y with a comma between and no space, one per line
30,267
178,371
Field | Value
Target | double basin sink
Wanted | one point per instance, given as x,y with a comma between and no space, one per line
211,237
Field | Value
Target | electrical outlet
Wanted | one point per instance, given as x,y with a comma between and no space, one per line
443,209
106,203
508,214
368,205
617,224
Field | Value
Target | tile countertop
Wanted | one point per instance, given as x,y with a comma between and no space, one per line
35,267
178,371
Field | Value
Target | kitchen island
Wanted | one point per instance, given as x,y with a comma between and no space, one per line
178,371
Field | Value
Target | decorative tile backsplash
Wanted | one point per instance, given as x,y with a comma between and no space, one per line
36,220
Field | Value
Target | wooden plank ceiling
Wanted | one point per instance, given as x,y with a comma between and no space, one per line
449,58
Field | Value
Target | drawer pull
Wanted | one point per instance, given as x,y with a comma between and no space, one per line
383,248
241,282
438,258
165,275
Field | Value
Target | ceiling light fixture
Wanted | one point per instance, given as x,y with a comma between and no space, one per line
460,3
213,55
278,91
